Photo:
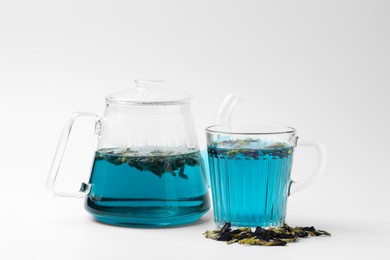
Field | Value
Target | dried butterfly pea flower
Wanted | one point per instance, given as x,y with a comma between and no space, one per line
249,153
260,242
261,236
159,162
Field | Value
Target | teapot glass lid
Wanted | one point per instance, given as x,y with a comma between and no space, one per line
149,92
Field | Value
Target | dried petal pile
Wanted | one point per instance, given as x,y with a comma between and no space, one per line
263,237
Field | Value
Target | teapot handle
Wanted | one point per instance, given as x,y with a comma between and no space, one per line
85,188
321,158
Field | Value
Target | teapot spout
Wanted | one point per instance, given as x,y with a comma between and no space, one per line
224,114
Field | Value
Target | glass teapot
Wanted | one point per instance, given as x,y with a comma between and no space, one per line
147,169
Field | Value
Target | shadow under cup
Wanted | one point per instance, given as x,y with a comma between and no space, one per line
250,170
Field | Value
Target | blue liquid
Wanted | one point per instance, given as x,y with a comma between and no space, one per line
250,186
142,194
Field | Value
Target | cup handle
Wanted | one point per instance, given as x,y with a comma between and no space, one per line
55,167
321,158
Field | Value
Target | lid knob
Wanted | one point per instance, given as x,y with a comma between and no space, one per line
146,83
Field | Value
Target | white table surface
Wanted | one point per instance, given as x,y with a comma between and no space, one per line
35,225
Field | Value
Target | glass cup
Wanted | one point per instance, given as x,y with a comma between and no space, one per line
250,173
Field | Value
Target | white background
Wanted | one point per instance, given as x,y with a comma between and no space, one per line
319,66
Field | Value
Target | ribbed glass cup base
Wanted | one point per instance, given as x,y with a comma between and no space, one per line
251,224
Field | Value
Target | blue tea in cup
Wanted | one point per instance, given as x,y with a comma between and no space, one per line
250,173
